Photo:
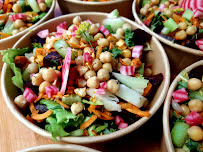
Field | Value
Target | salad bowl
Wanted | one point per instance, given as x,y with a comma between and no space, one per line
156,57
135,9
167,107
58,148
74,6
11,40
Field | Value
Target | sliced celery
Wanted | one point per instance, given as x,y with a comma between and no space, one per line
188,14
171,25
34,5
61,47
165,31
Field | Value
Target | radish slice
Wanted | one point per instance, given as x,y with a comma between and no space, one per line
100,91
146,22
40,1
87,57
122,125
137,51
73,31
161,7
61,28
118,120
127,70
193,119
51,90
180,95
43,34
199,43
1,4
89,21
17,16
104,30
65,71
103,85
29,95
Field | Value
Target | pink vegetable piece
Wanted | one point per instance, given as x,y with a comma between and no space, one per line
180,95
61,28
122,125
43,33
1,4
118,120
65,70
100,91
29,95
31,75
89,21
73,31
103,85
199,43
161,7
137,51
193,119
51,90
146,22
17,16
87,57
40,1
104,30
127,70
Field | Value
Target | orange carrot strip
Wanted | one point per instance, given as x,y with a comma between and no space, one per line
5,34
29,24
88,122
125,105
137,111
147,89
63,104
42,116
32,108
73,62
5,5
150,16
91,108
30,119
75,46
94,133
97,113
122,62
85,132
39,97
106,116
8,10
99,51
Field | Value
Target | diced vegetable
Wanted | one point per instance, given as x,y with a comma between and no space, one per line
114,14
104,30
144,2
196,95
114,23
33,4
48,2
77,133
43,33
69,100
100,91
17,16
188,14
137,51
26,75
61,47
118,120
51,90
180,95
87,57
93,103
9,27
161,7
193,119
165,31
122,125
29,95
103,85
127,70
171,25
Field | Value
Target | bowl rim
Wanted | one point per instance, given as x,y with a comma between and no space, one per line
95,139
59,147
94,3
51,9
166,127
174,45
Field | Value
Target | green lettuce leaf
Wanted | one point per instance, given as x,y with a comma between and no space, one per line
77,133
129,38
51,105
78,121
116,52
184,76
196,94
71,99
101,127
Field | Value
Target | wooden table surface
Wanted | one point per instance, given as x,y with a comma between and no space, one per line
148,138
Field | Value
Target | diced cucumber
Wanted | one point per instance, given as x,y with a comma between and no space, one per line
9,27
77,133
179,134
165,31
114,23
188,14
26,75
48,3
171,25
131,96
33,4
61,47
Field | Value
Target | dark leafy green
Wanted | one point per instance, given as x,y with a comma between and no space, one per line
116,52
176,119
108,27
37,45
38,17
129,38
182,85
193,146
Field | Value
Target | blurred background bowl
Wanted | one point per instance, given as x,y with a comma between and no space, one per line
174,45
10,41
166,127
74,6
157,57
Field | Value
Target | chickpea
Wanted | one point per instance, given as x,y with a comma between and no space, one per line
105,57
77,107
147,72
126,26
89,74
191,30
126,53
58,73
31,59
201,24
89,50
195,105
143,11
81,83
37,79
154,7
96,64
42,70
127,60
49,75
155,2
182,25
103,75
137,63
17,8
113,86
74,40
93,82
19,23
32,68
179,150
107,66
194,84
43,85
42,7
28,18
98,36
181,35
171,6
93,29
112,39
185,109
168,13
148,5
79,60
195,133
16,31
20,101
120,31
23,28
103,42
77,20
167,3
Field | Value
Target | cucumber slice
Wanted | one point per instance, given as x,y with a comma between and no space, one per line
188,14
9,27
61,47
115,23
171,25
179,134
48,3
33,4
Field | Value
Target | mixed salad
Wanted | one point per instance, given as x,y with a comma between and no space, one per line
87,79
180,21
97,0
187,112
18,15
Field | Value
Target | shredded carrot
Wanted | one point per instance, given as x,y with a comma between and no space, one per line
42,116
178,18
165,19
85,132
97,113
107,117
59,67
29,24
195,21
91,108
122,62
99,51
107,112
9,8
4,34
58,95
88,122
62,104
183,43
5,5
75,46
2,16
73,62
150,16
30,119
32,108
147,89
39,97
94,133
89,65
